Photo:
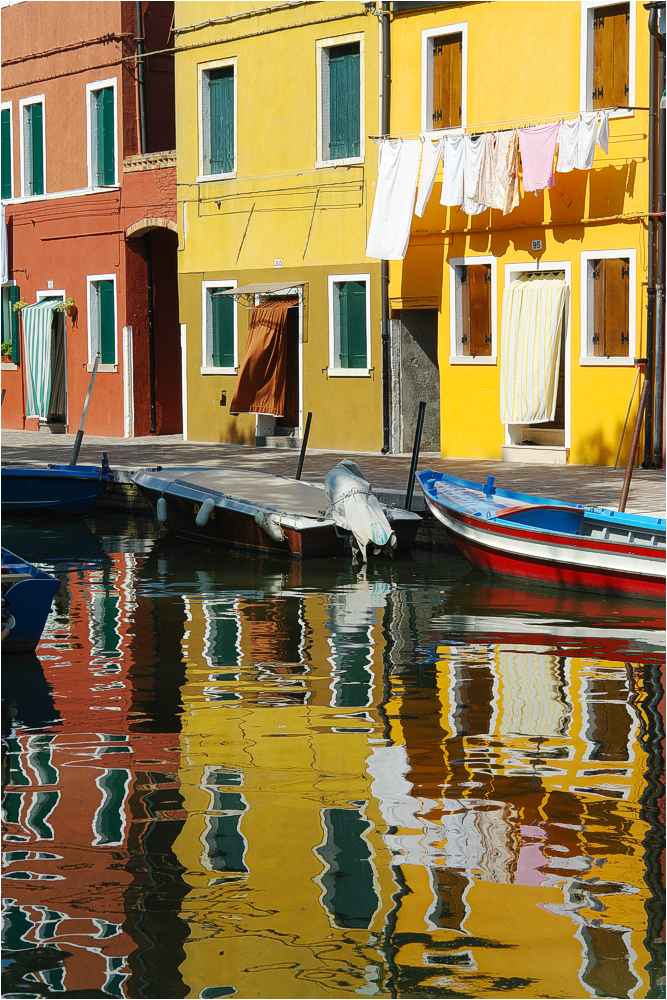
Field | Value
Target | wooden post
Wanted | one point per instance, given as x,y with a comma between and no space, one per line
633,446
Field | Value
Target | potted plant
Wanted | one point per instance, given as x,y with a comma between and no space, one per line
6,350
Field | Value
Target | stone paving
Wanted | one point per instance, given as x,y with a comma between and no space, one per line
597,485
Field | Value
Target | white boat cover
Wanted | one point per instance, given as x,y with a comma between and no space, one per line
354,508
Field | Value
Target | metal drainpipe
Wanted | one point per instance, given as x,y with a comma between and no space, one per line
650,289
659,361
141,83
384,267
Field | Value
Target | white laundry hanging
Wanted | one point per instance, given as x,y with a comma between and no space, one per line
431,156
389,230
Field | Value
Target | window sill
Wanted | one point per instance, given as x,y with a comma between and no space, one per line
465,359
101,368
8,366
212,370
349,372
211,178
436,133
350,161
619,113
610,362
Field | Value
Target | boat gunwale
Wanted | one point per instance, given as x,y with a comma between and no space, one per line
596,513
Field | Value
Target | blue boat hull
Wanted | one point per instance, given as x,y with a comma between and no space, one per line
70,489
27,602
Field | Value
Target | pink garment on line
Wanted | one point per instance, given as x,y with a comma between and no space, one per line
538,146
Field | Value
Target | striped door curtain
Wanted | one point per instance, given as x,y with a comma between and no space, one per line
37,325
532,326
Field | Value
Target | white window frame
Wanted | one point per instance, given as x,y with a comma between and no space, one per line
334,370
91,88
586,56
206,368
90,280
512,273
23,103
427,77
203,68
456,357
586,357
3,107
332,43
51,293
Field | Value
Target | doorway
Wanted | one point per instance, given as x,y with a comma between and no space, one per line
416,378
546,441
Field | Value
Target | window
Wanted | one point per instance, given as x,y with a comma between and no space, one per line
10,320
217,120
219,333
340,99
102,152
472,310
608,320
102,319
6,152
608,42
444,53
349,324
32,146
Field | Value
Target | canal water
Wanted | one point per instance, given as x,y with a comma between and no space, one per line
235,776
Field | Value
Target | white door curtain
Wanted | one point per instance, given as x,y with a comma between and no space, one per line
38,342
532,326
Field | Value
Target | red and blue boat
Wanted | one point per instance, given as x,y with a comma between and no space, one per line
548,542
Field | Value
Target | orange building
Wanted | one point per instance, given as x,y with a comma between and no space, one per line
89,198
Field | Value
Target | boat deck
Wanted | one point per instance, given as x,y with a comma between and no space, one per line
278,492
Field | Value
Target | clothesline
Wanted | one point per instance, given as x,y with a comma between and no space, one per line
480,171
491,126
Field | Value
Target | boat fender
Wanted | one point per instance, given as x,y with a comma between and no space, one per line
205,512
162,510
268,525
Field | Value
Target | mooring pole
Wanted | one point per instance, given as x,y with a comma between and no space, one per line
304,445
79,433
415,456
633,446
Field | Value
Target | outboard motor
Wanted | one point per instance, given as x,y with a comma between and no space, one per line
355,509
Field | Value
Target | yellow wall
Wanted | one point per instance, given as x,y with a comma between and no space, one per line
523,68
314,219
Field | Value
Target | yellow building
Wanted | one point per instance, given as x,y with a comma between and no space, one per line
275,182
487,68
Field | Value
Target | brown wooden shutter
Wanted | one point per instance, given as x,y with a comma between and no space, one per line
611,309
611,55
447,81
476,299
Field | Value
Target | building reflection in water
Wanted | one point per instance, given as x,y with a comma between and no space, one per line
303,779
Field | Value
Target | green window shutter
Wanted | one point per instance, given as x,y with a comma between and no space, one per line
352,306
14,296
103,138
222,331
6,147
108,165
106,321
344,102
221,113
35,125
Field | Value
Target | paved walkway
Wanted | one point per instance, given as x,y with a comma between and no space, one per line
597,485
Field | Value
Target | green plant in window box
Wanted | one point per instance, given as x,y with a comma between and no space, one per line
6,350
